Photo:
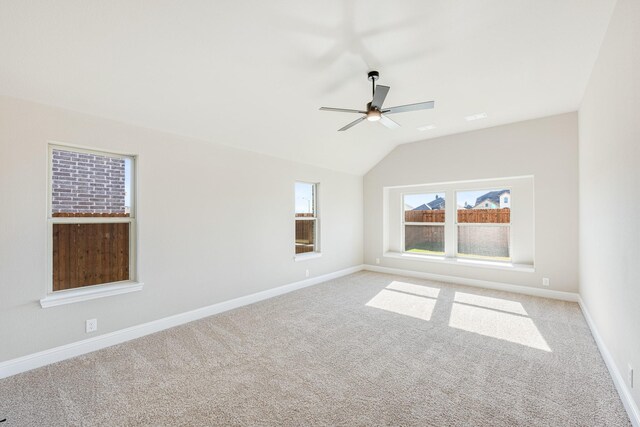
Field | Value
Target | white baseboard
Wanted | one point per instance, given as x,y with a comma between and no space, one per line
545,293
57,354
618,378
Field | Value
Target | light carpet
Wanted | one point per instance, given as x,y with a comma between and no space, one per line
365,349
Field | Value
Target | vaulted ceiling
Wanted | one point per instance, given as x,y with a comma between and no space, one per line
252,73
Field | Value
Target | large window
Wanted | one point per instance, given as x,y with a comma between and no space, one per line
306,217
484,224
470,223
423,223
91,218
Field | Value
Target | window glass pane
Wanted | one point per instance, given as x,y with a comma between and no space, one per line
478,210
305,235
89,184
484,206
484,241
89,254
305,199
424,239
424,207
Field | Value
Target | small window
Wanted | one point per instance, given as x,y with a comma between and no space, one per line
92,218
423,223
484,230
306,217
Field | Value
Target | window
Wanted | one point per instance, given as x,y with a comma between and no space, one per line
306,217
483,228
91,218
423,223
466,223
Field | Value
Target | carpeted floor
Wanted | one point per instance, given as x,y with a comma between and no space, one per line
366,349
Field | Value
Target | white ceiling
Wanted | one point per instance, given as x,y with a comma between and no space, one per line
252,73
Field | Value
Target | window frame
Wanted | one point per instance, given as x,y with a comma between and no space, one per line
523,225
66,296
316,218
456,224
403,224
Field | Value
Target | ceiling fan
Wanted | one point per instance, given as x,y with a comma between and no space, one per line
375,112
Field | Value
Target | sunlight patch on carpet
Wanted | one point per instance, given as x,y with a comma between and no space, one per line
489,302
496,322
424,291
406,299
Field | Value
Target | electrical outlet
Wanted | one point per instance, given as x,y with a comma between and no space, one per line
91,325
630,374
306,273
545,281
377,260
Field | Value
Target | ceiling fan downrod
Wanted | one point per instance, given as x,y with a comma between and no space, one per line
373,76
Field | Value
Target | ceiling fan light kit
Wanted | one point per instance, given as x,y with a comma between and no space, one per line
373,115
375,112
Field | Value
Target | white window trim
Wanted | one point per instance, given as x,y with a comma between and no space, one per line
316,253
467,262
85,293
307,256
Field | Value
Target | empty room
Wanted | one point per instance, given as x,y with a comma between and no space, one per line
337,213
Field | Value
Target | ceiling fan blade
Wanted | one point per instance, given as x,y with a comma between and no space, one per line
352,124
342,110
409,107
386,121
379,95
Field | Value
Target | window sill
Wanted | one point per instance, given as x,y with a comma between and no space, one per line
497,265
308,255
90,292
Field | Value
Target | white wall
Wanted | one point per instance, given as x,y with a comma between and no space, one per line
609,123
214,223
545,149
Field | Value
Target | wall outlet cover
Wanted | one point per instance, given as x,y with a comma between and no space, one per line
91,325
